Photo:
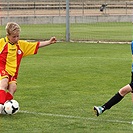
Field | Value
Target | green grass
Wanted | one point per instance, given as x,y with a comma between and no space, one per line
111,31
59,86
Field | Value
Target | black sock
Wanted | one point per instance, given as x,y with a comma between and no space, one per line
114,100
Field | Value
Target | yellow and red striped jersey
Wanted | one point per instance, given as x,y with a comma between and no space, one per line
11,54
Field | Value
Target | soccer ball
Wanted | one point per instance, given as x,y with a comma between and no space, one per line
10,107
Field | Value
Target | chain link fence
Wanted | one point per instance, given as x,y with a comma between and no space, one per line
90,20
58,7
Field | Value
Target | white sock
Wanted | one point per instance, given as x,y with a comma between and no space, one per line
1,108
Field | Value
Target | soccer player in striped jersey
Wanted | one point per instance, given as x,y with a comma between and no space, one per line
12,50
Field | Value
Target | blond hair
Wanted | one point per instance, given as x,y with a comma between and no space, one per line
12,28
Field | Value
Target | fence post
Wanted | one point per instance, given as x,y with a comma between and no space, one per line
67,22
8,10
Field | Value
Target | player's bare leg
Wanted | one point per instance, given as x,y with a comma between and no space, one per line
125,90
3,84
114,100
12,88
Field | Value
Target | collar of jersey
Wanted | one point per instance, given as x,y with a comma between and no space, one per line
7,40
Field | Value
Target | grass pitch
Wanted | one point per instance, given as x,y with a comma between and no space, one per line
110,31
58,87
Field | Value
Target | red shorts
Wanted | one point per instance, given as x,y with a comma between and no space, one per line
5,74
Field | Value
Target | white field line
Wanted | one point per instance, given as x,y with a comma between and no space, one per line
106,58
98,42
90,57
75,117
95,57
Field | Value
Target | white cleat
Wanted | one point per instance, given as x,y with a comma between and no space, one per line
98,110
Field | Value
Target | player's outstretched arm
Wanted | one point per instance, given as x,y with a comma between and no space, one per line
46,43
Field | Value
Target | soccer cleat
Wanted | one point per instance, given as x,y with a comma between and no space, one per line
98,110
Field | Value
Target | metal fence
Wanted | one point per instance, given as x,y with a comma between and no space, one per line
58,7
87,13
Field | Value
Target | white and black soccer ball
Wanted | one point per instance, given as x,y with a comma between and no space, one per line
11,107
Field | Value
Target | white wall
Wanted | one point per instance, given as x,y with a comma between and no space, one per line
62,19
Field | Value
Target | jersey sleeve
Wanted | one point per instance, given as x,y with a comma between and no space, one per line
2,44
29,48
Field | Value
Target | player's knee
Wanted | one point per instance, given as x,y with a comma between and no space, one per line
125,90
3,84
